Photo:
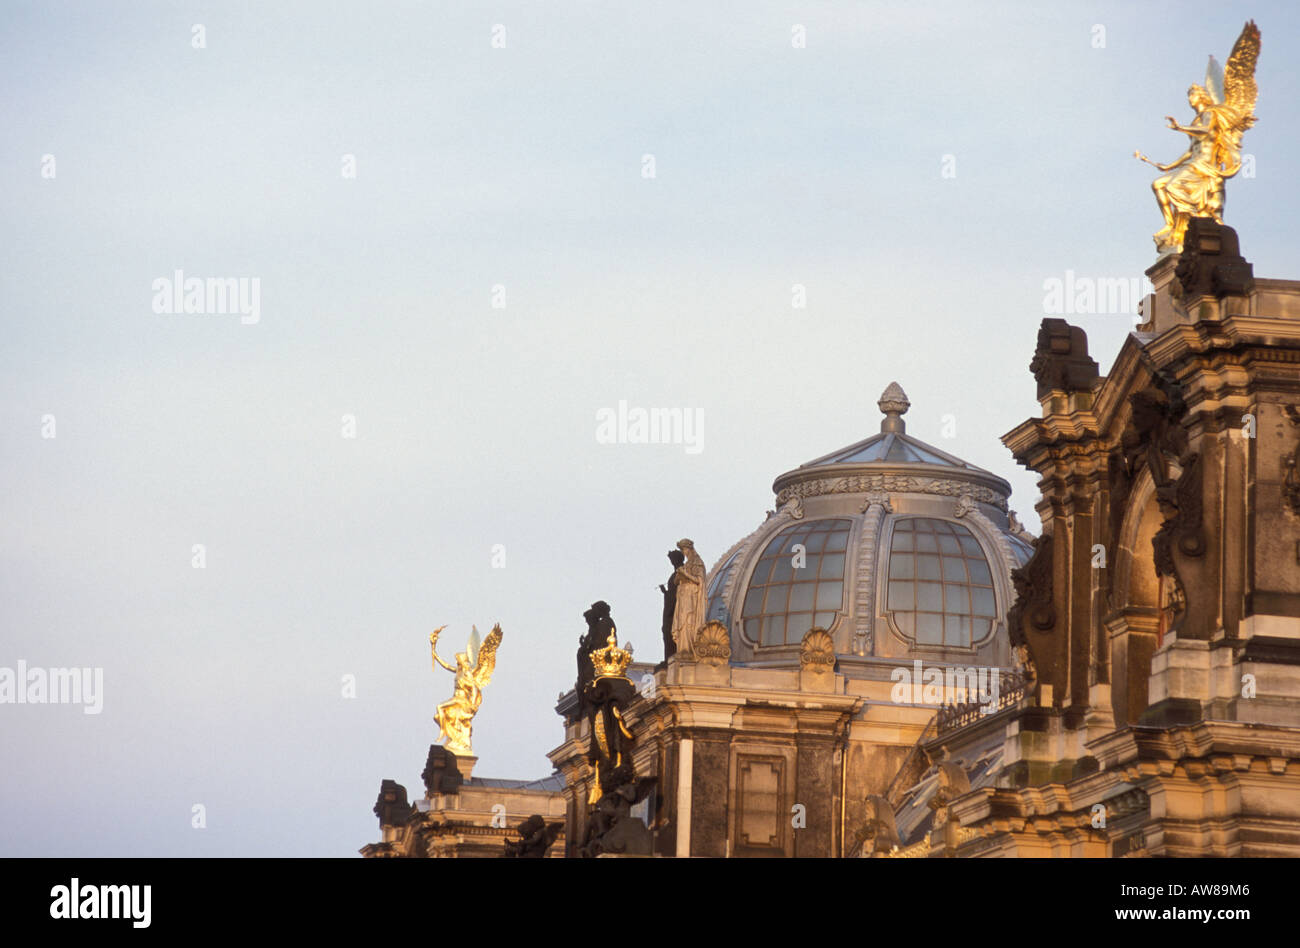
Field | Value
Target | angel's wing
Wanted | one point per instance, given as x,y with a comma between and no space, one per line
1239,88
1214,80
487,657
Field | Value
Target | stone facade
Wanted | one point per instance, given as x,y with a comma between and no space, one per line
461,816
1161,609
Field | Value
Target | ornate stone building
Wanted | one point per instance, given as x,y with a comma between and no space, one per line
892,667
874,594
1161,608
460,815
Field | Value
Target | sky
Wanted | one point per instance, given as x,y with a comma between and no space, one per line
473,229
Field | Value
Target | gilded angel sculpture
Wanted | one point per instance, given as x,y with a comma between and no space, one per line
473,671
1225,108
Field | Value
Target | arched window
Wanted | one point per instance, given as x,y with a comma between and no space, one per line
716,608
793,590
940,586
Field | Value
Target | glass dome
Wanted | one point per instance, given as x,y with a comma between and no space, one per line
896,548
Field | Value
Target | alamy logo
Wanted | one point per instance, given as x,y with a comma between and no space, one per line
179,294
635,425
1089,296
102,901
946,686
23,685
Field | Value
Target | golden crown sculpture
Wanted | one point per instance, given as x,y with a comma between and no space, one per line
611,661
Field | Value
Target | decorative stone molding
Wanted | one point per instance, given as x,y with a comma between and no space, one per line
794,508
1061,362
817,650
713,644
865,580
877,498
1034,607
1291,485
964,505
817,661
891,483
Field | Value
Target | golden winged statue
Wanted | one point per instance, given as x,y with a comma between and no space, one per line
1225,108
473,671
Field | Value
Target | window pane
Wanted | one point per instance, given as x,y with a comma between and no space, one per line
829,595
837,541
773,627
782,569
900,567
902,541
929,629
774,600
956,599
929,597
956,630
801,597
753,603
971,546
927,567
902,595
832,566
949,544
925,543
982,602
979,572
954,569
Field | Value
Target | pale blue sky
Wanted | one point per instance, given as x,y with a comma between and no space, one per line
476,426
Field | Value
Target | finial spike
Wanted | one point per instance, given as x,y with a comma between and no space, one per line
893,402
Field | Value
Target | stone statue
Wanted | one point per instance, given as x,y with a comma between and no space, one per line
879,832
688,610
1225,108
599,627
669,589
473,671
536,837
615,787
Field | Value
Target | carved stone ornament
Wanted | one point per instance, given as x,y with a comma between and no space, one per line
392,807
1017,529
794,507
713,644
1034,603
877,498
891,483
1061,362
1291,485
965,504
1156,439
817,650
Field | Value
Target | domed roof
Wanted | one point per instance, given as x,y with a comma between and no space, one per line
893,444
893,449
896,548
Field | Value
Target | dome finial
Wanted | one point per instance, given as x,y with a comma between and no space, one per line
893,402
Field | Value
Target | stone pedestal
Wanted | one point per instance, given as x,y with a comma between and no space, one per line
465,764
